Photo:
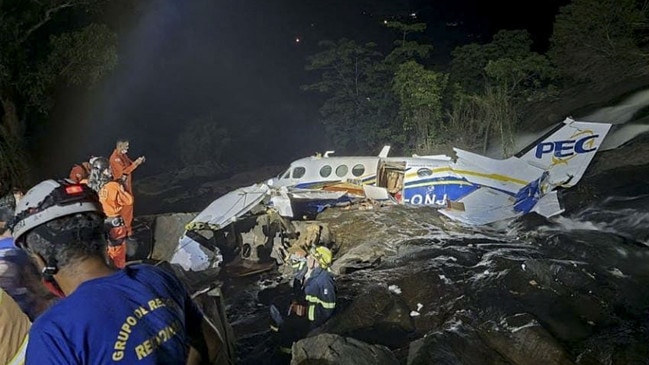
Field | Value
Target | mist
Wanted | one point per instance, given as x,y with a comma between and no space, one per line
238,63
235,62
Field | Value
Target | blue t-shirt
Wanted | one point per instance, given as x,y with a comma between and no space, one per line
139,315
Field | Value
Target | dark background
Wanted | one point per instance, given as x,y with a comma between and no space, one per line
239,61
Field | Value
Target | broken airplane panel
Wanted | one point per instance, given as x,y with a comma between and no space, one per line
473,189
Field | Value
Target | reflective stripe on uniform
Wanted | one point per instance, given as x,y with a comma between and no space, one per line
19,358
311,312
313,300
316,300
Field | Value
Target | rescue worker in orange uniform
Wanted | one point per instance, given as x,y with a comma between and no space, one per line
122,167
80,172
114,200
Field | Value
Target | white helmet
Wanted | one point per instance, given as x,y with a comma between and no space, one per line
49,200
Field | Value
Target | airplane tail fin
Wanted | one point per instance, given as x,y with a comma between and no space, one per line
566,151
384,152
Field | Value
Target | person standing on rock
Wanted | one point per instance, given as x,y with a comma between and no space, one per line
114,200
122,167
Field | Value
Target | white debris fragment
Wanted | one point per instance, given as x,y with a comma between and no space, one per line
523,267
190,256
446,280
414,314
419,306
617,272
395,289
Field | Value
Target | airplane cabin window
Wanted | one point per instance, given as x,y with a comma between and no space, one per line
358,170
341,170
286,174
325,171
298,172
424,172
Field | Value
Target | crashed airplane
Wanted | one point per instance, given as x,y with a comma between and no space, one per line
472,189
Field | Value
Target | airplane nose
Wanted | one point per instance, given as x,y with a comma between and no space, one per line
270,182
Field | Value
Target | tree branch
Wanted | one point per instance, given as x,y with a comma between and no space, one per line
48,16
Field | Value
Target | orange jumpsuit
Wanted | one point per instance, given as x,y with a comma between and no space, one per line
80,172
122,167
114,199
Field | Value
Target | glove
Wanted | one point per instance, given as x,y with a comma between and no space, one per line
298,309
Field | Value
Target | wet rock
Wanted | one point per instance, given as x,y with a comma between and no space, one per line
377,316
363,238
623,172
167,229
337,350
523,341
457,344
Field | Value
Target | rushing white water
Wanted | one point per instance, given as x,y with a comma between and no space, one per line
625,126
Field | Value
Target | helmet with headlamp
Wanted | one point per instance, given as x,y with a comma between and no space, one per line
323,255
49,200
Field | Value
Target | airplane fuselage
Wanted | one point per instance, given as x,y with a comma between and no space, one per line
417,180
475,189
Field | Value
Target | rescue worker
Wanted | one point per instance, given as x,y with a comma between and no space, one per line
319,287
14,327
312,308
114,200
80,171
122,167
18,277
141,314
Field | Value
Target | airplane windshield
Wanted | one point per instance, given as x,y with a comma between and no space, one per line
285,174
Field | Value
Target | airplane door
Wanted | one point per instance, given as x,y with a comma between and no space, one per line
390,175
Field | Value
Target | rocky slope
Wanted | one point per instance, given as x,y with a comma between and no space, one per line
539,292
417,288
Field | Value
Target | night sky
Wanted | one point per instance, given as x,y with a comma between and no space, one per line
241,60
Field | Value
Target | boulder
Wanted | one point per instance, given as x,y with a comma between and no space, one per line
167,230
337,350
377,316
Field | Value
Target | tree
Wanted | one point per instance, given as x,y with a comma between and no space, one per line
509,75
420,93
594,39
44,44
360,108
509,48
405,49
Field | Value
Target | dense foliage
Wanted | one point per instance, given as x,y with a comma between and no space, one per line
372,95
44,44
478,98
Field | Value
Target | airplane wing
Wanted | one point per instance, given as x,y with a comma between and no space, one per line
486,205
482,206
229,207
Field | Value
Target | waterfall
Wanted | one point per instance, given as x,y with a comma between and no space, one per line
621,115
